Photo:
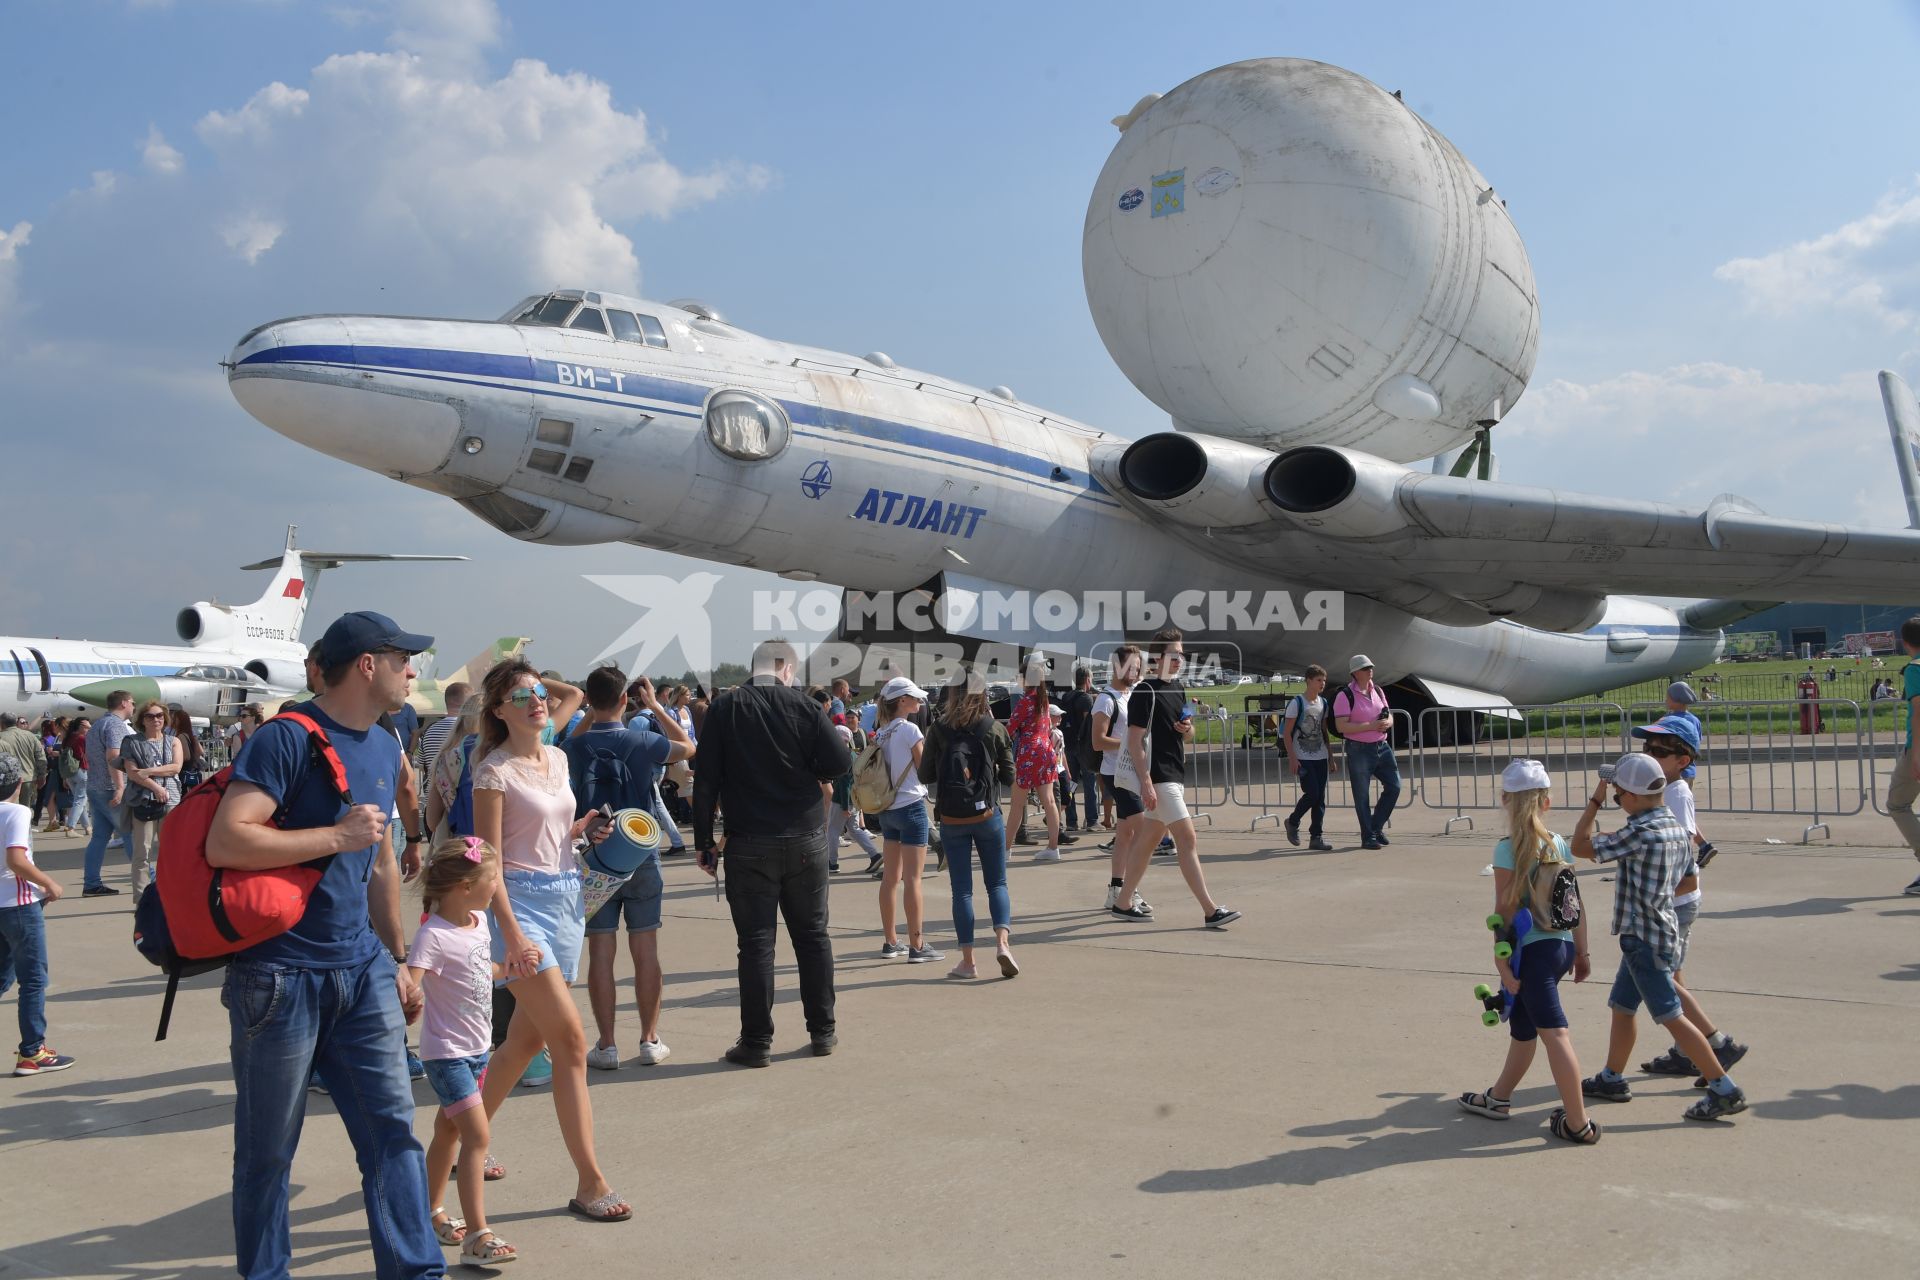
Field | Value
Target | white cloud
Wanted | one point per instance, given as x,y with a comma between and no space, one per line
1804,450
450,34
11,243
251,235
157,155
1870,266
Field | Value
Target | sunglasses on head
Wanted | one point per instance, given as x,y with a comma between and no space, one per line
521,697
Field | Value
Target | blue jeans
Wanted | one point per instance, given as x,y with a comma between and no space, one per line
665,819
1313,797
100,805
1090,797
1645,973
79,809
1365,762
346,1025
989,839
23,957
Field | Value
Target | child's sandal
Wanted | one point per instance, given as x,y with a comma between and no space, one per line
449,1229
1557,1125
1485,1104
486,1250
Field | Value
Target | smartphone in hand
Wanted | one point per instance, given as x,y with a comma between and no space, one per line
597,821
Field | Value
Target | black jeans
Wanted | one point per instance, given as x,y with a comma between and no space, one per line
1313,796
787,874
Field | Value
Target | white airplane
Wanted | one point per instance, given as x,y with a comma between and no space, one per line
1321,290
235,654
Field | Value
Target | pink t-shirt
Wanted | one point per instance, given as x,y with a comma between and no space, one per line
1361,708
458,984
537,811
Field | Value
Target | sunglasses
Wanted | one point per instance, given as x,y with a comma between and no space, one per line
154,715
1660,751
521,697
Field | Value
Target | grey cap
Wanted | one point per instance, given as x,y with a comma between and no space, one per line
9,775
1360,663
1682,692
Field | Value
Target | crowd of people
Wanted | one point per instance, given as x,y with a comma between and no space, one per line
495,808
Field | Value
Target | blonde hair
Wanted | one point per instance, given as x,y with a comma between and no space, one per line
451,864
1532,842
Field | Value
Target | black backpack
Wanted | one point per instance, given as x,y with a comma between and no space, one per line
605,779
966,775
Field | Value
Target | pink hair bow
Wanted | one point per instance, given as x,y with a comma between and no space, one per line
474,845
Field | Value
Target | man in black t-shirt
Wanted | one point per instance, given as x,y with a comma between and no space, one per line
1158,727
1084,769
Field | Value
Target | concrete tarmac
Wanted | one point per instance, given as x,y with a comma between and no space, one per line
1153,1099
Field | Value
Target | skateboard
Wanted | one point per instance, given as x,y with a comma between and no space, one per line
1496,1005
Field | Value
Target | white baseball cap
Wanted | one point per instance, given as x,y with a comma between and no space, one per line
1524,775
901,687
1360,663
1640,774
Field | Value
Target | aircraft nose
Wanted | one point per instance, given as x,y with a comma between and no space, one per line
304,378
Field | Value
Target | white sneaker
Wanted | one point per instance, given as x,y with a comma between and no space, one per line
604,1057
1113,895
654,1052
1047,855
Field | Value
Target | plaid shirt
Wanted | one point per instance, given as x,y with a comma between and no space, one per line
1654,854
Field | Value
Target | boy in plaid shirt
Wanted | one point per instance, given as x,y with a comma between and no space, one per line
1652,854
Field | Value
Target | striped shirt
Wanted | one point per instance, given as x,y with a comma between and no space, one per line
1654,856
431,741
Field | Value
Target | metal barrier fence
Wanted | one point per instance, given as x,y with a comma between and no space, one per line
1260,779
1806,758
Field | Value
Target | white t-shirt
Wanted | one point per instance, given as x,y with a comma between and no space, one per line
16,832
1114,707
896,748
1060,769
1679,798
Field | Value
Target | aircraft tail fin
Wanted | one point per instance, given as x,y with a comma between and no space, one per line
1903,421
430,692
282,609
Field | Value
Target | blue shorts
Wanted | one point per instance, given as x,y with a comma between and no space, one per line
1126,804
906,825
1645,974
456,1081
1542,965
1686,911
550,912
638,902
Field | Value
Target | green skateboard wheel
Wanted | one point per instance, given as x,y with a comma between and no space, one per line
1489,1019
1502,950
1482,991
1495,922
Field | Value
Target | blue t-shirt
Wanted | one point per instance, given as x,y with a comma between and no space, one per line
1909,690
644,750
406,721
335,931
1503,860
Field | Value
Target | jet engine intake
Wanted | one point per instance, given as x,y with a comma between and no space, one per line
1340,492
204,623
1196,479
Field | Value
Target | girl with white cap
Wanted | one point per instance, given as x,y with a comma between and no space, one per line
903,825
1525,864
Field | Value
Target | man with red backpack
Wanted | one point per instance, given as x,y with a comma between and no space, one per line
332,993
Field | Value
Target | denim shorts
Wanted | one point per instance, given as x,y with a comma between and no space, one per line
1542,965
906,825
638,903
456,1081
550,912
1686,911
1645,974
1126,804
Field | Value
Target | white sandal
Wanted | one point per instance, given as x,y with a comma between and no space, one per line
445,1225
478,1253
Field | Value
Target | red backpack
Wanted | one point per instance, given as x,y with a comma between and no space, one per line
194,914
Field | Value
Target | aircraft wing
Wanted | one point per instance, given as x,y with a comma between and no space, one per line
334,559
1462,551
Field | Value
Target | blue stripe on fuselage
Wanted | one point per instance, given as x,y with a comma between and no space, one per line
437,364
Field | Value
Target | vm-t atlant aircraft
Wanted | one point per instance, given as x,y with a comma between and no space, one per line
1316,286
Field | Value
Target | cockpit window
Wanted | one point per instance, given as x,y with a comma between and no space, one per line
625,327
656,336
590,320
746,426
549,310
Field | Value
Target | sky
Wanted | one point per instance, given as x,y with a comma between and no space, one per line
1721,203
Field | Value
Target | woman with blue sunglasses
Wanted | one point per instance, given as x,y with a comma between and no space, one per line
523,806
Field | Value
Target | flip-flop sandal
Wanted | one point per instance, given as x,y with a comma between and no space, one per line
601,1210
449,1229
1557,1125
497,1253
491,1171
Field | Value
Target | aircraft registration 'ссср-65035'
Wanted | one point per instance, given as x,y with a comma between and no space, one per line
1314,284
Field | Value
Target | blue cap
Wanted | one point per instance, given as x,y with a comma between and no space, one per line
1681,727
353,634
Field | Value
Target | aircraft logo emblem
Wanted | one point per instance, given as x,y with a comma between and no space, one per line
816,479
1169,193
1216,180
1130,199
